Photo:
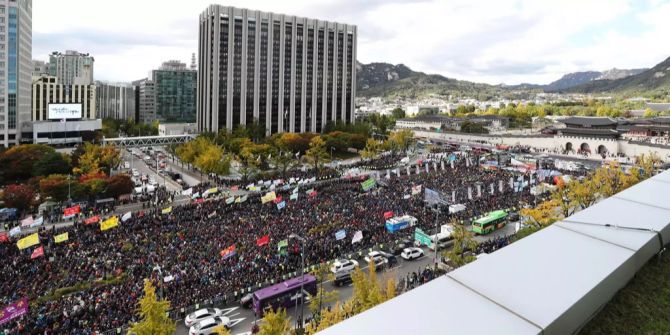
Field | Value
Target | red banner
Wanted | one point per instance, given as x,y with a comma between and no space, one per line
277,200
263,240
234,188
72,210
388,215
93,219
312,194
4,237
199,200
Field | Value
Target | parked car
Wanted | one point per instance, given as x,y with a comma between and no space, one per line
513,217
411,253
200,315
391,259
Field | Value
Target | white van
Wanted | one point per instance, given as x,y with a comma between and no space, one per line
444,240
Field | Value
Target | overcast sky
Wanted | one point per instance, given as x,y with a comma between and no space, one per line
492,41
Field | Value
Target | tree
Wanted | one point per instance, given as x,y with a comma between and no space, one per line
316,154
322,297
51,163
153,314
275,323
329,317
221,330
248,164
563,197
96,158
119,184
55,186
402,139
463,241
283,161
213,160
398,113
19,196
649,113
543,215
16,163
372,149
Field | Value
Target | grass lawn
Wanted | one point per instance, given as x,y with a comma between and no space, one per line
642,307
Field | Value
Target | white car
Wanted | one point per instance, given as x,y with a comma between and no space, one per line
411,253
343,265
147,158
208,326
126,165
200,315
152,181
377,258
136,173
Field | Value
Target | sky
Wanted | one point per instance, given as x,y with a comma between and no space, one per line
489,41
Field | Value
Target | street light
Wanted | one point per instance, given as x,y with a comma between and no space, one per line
302,278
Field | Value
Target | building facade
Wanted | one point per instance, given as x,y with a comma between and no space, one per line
145,101
15,70
115,100
72,67
175,91
48,90
40,68
289,74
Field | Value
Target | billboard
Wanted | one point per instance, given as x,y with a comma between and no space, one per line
64,111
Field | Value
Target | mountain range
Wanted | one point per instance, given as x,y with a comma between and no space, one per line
383,79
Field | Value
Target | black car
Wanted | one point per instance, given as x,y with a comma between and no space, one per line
392,260
246,300
513,217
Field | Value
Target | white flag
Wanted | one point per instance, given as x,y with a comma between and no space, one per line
27,222
126,216
397,172
358,236
511,182
408,172
500,186
435,166
452,165
15,231
38,222
453,196
492,188
479,190
427,167
388,174
187,192
469,193
442,165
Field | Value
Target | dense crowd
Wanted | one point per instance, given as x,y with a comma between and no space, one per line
180,251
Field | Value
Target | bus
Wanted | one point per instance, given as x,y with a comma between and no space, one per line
282,295
491,222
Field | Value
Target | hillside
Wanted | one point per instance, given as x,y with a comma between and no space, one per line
382,79
656,78
571,80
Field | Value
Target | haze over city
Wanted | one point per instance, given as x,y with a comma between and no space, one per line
493,42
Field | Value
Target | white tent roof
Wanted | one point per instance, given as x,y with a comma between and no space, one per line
552,282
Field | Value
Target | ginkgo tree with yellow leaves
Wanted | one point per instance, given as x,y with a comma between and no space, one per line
153,313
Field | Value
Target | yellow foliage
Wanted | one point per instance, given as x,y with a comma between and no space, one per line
153,314
275,323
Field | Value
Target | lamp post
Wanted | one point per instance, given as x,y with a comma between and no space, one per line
302,279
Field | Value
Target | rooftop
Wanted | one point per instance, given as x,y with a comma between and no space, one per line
589,121
552,282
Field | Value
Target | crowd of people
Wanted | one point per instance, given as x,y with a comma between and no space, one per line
417,278
180,251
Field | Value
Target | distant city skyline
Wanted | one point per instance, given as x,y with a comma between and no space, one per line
483,41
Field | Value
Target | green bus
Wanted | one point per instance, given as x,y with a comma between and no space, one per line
489,223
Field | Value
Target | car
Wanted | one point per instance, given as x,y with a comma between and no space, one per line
343,265
208,326
152,181
136,173
246,300
377,258
513,217
147,158
200,315
411,253
392,260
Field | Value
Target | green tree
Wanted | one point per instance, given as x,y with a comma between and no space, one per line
283,161
153,314
323,296
55,187
213,160
316,155
398,113
275,323
463,241
51,163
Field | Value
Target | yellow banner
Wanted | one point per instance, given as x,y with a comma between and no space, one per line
28,241
61,238
109,223
268,197
213,190
167,210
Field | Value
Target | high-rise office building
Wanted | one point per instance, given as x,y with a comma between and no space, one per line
145,101
16,68
115,100
291,74
174,89
72,67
